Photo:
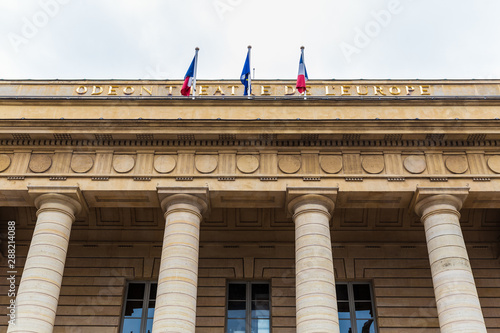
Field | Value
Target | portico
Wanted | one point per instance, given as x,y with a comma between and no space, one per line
229,224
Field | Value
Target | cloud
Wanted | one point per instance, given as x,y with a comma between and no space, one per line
156,39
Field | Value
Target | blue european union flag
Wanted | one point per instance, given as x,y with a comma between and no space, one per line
245,75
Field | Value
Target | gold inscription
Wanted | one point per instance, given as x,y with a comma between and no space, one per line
289,90
97,90
265,90
170,90
203,90
112,90
327,92
233,90
394,90
219,91
378,90
344,90
358,90
128,90
81,90
425,90
149,91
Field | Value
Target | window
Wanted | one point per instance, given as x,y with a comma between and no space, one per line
248,308
355,306
139,308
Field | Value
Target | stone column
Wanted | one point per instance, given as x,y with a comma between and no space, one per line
454,288
175,310
38,293
316,301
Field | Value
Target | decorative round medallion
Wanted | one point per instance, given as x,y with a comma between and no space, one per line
494,163
415,164
289,164
4,162
373,163
81,163
40,163
457,164
164,163
247,163
331,163
206,163
123,163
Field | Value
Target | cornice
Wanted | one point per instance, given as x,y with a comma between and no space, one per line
256,101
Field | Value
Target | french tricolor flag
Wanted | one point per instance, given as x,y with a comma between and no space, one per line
302,77
190,77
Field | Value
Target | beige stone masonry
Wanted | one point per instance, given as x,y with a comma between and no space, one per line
40,284
316,303
175,310
456,295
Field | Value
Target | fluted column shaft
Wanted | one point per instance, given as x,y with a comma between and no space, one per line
175,310
40,285
457,301
316,302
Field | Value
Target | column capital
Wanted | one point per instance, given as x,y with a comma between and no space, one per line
69,196
428,199
197,196
324,196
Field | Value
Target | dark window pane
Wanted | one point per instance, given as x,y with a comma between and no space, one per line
365,326
345,326
133,309
342,292
363,310
361,292
260,309
235,326
131,326
260,292
237,292
151,309
343,310
260,326
152,291
149,327
236,309
136,291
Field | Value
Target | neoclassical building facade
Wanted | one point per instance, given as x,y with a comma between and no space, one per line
361,206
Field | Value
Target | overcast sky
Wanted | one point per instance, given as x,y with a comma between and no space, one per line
348,39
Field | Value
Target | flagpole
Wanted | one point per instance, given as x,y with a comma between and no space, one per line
304,64
195,70
249,89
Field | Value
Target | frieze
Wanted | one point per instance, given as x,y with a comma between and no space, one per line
264,164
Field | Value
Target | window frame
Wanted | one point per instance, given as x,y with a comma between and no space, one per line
351,301
145,303
248,303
